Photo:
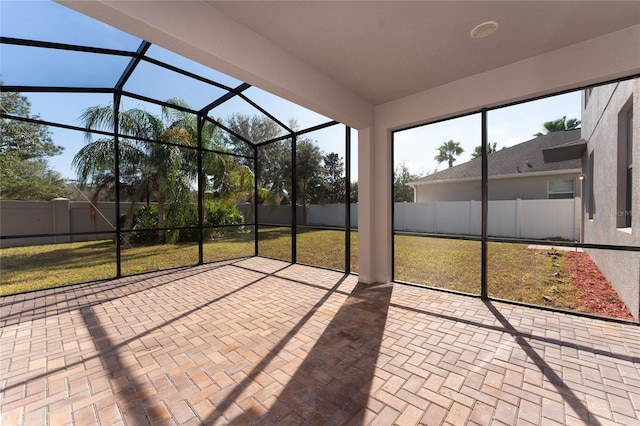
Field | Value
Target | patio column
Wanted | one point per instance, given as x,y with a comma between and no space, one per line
374,206
365,206
383,173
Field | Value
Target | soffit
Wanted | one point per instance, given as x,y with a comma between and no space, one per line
386,50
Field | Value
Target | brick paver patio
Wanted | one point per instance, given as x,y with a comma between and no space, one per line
259,341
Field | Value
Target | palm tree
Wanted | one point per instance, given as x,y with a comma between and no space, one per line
164,172
153,169
448,152
559,125
225,179
477,152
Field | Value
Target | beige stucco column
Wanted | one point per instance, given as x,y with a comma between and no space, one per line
60,219
374,205
382,228
365,206
366,213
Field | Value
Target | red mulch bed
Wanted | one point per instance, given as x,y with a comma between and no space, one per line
598,296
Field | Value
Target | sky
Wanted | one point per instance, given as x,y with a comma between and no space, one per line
416,148
41,20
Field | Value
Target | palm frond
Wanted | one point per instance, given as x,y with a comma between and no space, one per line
99,117
93,159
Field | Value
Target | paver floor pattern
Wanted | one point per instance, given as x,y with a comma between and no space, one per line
258,341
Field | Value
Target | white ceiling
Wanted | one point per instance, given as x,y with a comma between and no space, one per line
385,50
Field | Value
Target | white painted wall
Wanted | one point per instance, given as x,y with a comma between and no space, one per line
369,237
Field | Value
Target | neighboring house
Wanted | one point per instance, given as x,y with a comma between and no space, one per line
516,172
611,128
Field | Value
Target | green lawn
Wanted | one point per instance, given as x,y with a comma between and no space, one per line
515,273
38,267
321,248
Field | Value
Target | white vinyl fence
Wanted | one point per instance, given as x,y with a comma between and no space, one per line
331,215
536,219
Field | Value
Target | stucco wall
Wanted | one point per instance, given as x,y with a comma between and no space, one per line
600,130
453,191
58,216
25,218
522,187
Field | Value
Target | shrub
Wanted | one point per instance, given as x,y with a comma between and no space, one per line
215,214
144,218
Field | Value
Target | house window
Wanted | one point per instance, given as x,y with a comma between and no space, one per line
591,207
629,195
625,168
561,188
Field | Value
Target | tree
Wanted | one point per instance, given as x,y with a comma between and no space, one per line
477,152
274,172
255,128
448,152
24,147
334,178
156,171
353,192
272,176
559,125
29,180
310,183
227,180
402,192
319,177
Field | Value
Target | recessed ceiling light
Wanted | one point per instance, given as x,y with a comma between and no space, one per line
484,30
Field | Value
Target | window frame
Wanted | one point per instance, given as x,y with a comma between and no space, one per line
629,155
624,185
550,193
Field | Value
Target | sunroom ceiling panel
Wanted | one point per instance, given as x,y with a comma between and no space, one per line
386,50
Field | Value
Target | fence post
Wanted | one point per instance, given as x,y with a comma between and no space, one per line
60,209
477,217
471,221
518,230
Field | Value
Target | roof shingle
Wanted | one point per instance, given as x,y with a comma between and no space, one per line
525,157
